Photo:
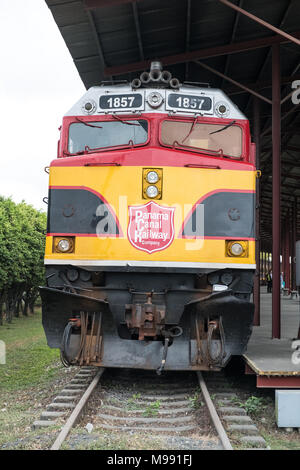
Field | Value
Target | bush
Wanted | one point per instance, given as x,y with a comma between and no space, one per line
22,244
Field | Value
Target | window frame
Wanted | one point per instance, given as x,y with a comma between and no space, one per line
99,119
211,121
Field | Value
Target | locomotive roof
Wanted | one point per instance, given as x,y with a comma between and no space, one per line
117,39
217,97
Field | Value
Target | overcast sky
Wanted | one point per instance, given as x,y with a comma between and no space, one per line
38,84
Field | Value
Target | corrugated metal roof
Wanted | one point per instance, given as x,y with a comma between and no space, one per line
130,32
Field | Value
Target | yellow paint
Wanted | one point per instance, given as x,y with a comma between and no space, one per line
182,188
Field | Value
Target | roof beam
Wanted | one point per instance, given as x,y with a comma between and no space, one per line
200,54
258,95
260,85
96,38
138,29
187,34
284,116
262,22
268,54
234,28
93,4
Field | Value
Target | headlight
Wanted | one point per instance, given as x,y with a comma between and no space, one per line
152,183
63,244
237,248
152,191
155,99
152,177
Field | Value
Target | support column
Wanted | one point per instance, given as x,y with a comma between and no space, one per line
256,287
276,182
293,245
286,251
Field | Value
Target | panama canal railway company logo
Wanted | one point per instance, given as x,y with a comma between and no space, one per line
151,227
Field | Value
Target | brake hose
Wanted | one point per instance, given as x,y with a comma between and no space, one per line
65,345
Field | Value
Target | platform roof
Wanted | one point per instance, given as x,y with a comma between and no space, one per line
117,39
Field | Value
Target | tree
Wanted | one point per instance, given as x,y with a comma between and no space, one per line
22,244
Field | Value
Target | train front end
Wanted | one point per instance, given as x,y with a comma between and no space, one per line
150,250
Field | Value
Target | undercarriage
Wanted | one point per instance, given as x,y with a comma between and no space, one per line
147,320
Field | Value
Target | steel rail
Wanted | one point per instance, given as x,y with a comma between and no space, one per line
76,412
213,414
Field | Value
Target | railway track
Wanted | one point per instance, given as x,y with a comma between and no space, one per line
182,409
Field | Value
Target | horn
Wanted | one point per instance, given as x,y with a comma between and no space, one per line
174,83
166,76
145,78
136,83
155,75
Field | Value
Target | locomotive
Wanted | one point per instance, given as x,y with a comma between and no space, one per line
150,246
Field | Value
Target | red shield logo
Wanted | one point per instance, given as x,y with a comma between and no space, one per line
151,227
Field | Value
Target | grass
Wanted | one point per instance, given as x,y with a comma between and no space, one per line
260,406
195,401
152,409
31,376
29,361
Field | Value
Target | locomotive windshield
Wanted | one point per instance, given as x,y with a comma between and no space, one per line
213,137
100,134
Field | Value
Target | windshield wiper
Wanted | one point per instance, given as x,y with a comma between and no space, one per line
87,123
191,129
223,128
88,149
69,154
125,122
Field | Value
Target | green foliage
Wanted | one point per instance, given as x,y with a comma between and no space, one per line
152,409
195,401
29,360
132,403
253,405
22,242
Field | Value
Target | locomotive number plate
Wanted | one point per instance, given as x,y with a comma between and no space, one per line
190,103
122,102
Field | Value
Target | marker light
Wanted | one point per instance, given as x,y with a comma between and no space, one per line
152,177
89,107
152,191
222,109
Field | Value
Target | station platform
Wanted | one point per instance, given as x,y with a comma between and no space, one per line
271,359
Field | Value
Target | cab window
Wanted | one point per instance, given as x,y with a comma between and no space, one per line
102,134
226,139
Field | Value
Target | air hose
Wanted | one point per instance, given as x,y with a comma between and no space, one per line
212,326
173,332
65,343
